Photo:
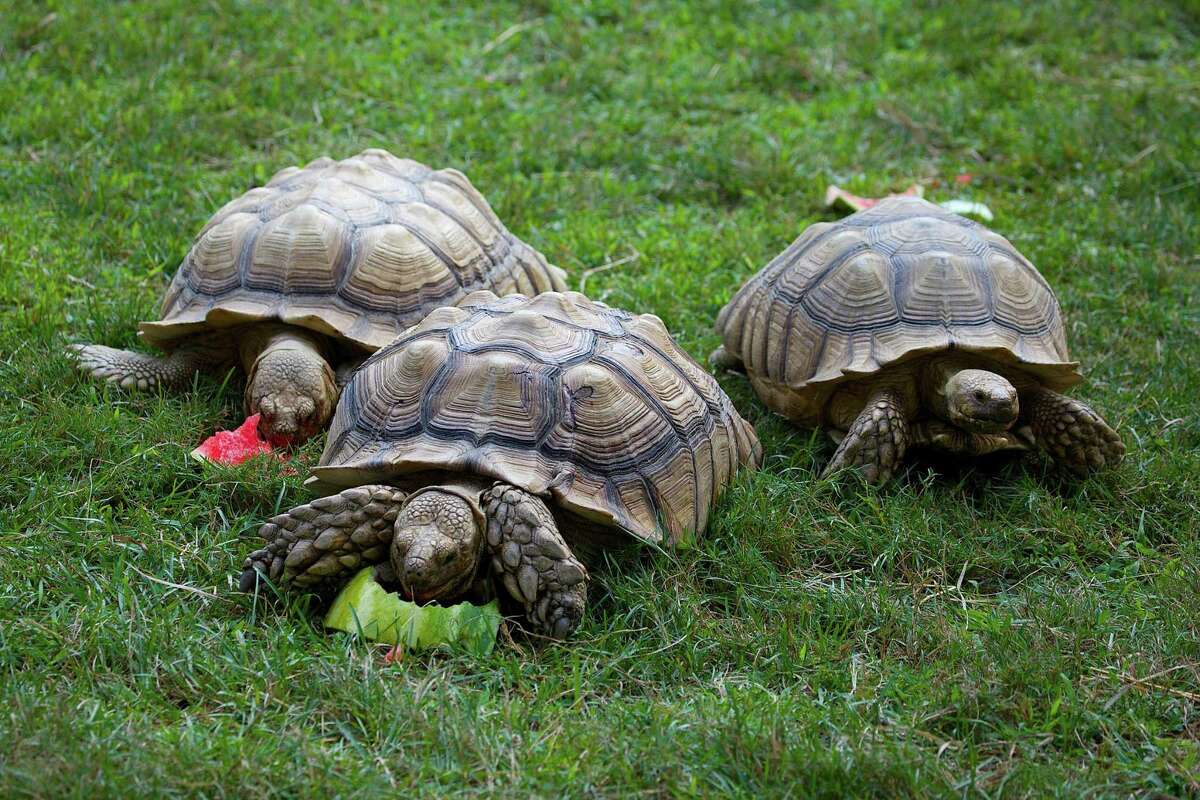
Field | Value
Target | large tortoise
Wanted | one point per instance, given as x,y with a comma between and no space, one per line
905,324
528,432
300,279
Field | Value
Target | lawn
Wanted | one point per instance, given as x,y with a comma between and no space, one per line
1000,631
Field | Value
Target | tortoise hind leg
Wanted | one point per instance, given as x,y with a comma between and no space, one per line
721,358
131,370
319,544
877,440
533,561
1072,433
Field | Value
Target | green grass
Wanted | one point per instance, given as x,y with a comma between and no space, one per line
1000,632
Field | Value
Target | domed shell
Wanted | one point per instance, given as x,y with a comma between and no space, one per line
358,249
594,408
900,280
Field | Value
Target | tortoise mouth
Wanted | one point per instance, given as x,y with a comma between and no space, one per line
996,420
448,590
421,598
285,439
281,441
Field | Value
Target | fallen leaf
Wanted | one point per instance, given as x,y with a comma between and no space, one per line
968,208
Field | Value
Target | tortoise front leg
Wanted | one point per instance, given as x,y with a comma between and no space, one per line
319,544
533,561
1071,432
131,370
878,439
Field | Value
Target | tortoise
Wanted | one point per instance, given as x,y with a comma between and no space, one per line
907,325
297,281
533,433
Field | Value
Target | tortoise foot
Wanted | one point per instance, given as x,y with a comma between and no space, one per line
533,561
876,442
322,542
1072,433
128,369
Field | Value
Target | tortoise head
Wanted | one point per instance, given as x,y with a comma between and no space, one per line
437,544
980,401
293,389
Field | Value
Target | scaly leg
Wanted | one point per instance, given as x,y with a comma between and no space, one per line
533,561
723,359
876,442
131,370
1072,433
319,544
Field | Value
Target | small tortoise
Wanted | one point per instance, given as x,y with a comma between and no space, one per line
907,325
528,432
297,281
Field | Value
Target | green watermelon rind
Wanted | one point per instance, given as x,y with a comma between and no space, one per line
364,608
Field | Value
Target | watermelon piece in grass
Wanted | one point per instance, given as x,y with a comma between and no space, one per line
233,447
365,608
836,196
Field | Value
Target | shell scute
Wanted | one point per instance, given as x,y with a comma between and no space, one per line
536,337
855,294
349,204
520,406
392,255
298,252
249,203
464,210
216,257
941,288
450,238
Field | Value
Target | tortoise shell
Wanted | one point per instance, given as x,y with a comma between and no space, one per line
358,249
899,281
595,409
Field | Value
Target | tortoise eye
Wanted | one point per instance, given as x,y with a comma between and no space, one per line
980,395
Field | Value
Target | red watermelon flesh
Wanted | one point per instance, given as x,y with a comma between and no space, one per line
836,196
233,447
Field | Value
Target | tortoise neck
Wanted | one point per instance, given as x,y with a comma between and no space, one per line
934,381
254,341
